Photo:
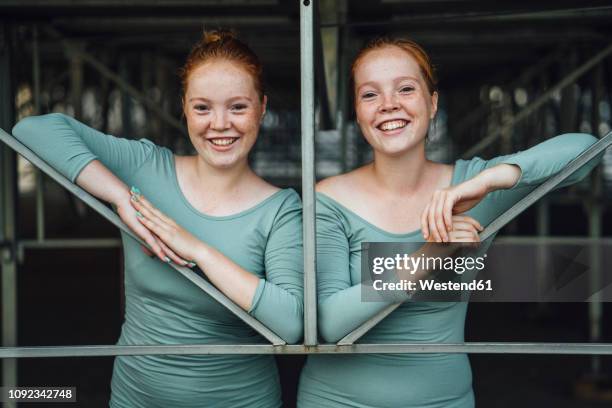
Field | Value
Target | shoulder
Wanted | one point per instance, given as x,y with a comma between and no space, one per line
342,187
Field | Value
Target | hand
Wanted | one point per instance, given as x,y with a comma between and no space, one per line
437,218
464,229
129,216
179,243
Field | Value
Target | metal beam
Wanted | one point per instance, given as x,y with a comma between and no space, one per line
399,348
308,175
501,221
529,109
8,197
115,220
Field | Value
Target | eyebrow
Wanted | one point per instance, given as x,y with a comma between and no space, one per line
199,98
399,79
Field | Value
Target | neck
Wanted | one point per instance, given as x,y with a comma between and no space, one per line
400,175
220,182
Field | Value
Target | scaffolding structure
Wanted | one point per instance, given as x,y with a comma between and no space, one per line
324,106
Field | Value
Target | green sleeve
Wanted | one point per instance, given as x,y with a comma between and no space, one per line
340,307
278,300
68,145
537,164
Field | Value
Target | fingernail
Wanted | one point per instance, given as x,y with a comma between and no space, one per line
166,259
134,198
135,191
191,264
139,214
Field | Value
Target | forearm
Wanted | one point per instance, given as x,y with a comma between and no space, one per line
500,177
235,282
99,181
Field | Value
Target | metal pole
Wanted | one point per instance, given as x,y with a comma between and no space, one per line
569,79
40,203
308,178
8,197
501,221
400,348
115,220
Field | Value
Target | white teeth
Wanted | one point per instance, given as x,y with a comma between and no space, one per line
393,124
223,141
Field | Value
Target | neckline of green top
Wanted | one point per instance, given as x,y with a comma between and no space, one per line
215,217
378,229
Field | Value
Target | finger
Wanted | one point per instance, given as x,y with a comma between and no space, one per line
464,226
424,223
171,254
161,227
442,229
431,219
147,251
449,203
467,218
152,209
152,225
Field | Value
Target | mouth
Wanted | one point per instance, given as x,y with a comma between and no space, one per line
223,141
392,125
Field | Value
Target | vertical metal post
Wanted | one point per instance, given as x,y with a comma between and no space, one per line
40,203
595,221
7,214
308,179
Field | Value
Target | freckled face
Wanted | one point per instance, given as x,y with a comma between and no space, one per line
223,112
393,104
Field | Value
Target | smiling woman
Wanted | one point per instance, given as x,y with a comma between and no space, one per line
208,209
401,196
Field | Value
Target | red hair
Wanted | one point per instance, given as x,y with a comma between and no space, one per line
223,44
411,47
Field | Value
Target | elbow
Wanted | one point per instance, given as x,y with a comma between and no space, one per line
293,332
34,126
576,143
328,327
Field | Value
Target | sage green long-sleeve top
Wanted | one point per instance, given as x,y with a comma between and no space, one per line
392,380
163,307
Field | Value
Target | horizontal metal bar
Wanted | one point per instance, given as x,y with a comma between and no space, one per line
115,220
69,243
399,348
501,221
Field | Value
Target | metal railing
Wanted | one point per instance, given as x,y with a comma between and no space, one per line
277,345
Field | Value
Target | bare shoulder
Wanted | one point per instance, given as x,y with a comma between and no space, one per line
264,189
342,187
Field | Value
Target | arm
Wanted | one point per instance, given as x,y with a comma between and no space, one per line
494,185
279,299
276,300
340,304
91,159
340,307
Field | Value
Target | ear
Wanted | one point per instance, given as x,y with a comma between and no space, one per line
434,105
264,105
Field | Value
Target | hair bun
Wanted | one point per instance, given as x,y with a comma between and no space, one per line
214,36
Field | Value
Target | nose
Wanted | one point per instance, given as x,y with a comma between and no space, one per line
219,121
389,104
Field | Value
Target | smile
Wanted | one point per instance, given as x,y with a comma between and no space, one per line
393,124
223,141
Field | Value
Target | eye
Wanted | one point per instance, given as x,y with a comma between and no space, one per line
407,89
368,95
201,107
239,107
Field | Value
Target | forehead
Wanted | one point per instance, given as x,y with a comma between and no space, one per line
386,64
220,79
